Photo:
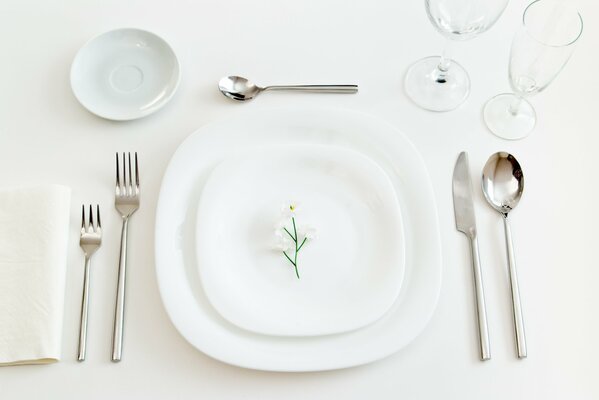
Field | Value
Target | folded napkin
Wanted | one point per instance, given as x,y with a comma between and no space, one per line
34,226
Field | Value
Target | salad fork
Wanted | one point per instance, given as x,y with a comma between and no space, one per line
91,239
126,203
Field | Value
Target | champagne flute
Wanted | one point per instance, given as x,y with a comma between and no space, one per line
439,83
540,50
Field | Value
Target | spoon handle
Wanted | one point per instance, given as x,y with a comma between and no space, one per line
481,309
516,304
318,88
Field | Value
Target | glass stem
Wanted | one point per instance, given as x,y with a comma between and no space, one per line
515,105
440,73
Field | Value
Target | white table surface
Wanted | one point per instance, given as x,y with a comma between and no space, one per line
46,136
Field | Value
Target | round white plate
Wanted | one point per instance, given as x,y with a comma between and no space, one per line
176,264
350,272
125,74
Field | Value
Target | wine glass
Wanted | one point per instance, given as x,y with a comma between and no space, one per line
540,50
439,83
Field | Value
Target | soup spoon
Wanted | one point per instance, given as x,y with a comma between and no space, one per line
503,184
241,89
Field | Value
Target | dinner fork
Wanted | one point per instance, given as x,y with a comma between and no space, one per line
126,203
91,239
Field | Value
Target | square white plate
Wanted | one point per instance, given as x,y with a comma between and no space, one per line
176,263
347,276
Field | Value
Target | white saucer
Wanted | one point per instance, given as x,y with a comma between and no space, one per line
349,272
125,74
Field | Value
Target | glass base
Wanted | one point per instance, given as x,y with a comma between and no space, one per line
424,88
507,124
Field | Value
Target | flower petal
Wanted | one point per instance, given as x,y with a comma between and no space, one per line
307,231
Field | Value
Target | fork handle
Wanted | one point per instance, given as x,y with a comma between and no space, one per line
84,307
119,312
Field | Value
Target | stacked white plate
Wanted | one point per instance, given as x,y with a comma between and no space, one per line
367,282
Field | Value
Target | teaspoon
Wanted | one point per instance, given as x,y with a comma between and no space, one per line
241,89
503,184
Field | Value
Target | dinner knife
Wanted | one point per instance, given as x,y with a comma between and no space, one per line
466,223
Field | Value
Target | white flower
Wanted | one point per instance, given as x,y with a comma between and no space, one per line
290,237
284,232
306,231
289,210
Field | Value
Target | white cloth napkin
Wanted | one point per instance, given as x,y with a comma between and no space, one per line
34,227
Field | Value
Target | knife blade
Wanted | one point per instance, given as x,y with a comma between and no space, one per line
463,206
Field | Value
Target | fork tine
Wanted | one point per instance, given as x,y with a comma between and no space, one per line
118,180
122,169
91,219
124,176
98,214
83,217
130,180
136,172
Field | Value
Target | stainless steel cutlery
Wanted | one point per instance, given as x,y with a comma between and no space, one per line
466,223
241,89
90,241
126,203
502,186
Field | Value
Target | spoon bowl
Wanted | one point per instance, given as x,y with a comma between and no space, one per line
503,182
238,88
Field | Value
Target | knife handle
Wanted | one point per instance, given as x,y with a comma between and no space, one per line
481,310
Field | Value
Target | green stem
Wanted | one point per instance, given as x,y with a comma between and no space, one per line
290,260
290,235
300,247
294,229
297,247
